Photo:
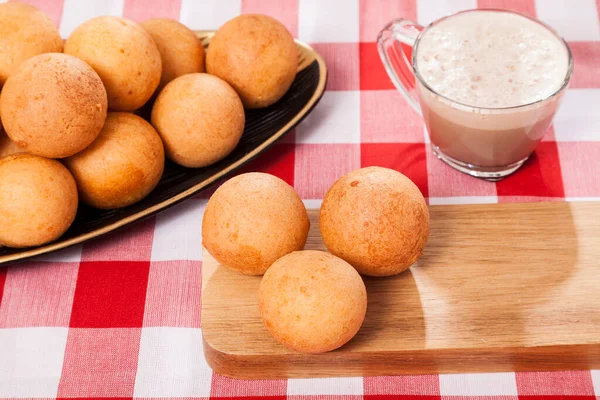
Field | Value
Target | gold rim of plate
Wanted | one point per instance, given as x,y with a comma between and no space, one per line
305,57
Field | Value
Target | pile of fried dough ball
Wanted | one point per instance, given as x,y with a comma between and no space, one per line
69,131
374,221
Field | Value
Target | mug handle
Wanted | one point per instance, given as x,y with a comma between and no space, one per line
395,44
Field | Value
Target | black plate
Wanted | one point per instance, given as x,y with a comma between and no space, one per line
263,127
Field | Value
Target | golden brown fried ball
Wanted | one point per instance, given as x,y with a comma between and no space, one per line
122,166
200,119
180,49
53,105
38,200
312,301
376,219
252,220
7,146
25,31
123,54
256,55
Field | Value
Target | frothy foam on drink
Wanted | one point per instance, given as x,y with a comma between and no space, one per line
492,59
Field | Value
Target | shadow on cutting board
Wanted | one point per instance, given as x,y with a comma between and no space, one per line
496,276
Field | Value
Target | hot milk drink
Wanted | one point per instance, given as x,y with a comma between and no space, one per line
488,85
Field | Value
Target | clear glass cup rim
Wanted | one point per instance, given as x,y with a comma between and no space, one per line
562,87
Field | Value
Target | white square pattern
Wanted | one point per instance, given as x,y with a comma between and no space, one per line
312,204
335,120
31,361
426,134
71,254
430,10
76,12
572,21
208,14
328,21
433,201
325,386
178,232
596,381
499,384
172,364
577,118
568,199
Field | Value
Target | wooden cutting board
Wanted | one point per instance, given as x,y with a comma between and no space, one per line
501,287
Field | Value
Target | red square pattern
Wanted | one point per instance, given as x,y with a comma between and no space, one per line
342,64
100,363
402,397
550,135
101,398
318,166
492,397
540,176
528,199
558,397
324,397
54,8
285,11
384,387
278,160
139,10
565,383
38,294
386,117
585,68
577,160
598,10
372,73
3,271
110,295
234,389
289,137
523,6
375,14
206,193
174,293
408,158
133,243
445,181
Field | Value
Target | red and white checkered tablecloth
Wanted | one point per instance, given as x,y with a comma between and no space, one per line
120,316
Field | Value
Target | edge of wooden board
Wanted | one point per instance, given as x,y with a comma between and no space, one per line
252,367
354,360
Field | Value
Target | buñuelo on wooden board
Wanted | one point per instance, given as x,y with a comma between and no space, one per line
499,287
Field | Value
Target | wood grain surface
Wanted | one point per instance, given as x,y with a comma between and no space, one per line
501,287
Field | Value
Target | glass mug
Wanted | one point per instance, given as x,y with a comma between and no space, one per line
488,143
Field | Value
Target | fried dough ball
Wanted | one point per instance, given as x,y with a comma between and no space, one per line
123,54
256,55
25,31
180,49
312,301
38,200
200,119
252,220
122,166
53,105
376,219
